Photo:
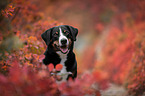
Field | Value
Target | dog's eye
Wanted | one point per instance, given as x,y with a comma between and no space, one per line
56,33
66,32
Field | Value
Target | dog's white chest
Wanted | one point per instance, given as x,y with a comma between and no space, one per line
63,58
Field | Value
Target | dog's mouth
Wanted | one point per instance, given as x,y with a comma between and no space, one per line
64,49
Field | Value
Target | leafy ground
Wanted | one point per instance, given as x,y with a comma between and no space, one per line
114,35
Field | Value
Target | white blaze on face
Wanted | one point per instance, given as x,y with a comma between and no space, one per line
63,56
61,37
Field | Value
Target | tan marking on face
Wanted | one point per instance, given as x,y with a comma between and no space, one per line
69,42
56,33
54,44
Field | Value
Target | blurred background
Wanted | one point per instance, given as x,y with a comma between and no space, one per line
111,39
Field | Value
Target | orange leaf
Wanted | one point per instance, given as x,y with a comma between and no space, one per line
11,14
59,67
50,67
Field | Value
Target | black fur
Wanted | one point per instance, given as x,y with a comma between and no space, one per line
52,57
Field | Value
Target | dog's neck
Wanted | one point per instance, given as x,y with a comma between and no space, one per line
63,57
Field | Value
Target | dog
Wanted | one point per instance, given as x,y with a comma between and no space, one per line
60,43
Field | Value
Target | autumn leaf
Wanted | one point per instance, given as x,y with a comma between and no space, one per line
50,67
59,67
115,54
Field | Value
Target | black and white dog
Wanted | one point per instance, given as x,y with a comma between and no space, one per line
60,42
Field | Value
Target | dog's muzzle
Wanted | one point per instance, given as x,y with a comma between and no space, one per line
64,46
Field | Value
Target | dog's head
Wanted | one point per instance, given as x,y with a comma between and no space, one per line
60,38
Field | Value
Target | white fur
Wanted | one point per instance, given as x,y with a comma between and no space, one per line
62,37
63,58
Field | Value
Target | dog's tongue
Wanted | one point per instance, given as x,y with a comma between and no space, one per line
64,50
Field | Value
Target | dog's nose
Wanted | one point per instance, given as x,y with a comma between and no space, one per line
63,41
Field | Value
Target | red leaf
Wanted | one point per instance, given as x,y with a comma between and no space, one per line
50,67
59,67
3,79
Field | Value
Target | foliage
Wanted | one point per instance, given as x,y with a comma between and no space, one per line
136,84
22,71
8,11
120,58
26,81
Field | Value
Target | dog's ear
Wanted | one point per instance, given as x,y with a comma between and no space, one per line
74,32
46,36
